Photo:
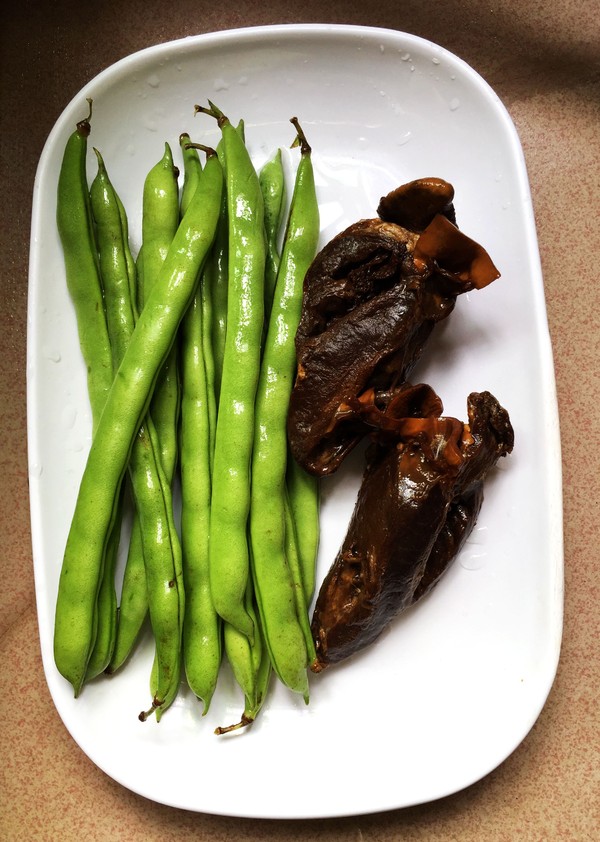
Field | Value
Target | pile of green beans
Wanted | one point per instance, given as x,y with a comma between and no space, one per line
189,349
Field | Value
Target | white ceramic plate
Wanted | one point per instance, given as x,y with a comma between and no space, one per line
457,683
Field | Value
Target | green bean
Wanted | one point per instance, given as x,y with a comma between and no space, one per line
303,493
272,183
75,228
217,280
106,606
114,270
279,591
249,663
160,217
131,270
125,408
164,571
230,503
160,543
192,169
160,220
133,608
202,626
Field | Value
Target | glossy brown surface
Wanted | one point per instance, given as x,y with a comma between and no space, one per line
417,503
542,61
372,297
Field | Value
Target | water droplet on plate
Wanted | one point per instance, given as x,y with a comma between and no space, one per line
405,57
221,85
454,104
472,560
35,470
52,354
435,60
153,81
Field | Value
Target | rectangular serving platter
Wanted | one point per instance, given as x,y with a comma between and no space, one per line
454,685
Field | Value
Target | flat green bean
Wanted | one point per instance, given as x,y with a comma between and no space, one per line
230,503
275,567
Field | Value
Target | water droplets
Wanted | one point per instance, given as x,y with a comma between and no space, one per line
473,560
49,352
153,81
454,104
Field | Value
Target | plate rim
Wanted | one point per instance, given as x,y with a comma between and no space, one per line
552,427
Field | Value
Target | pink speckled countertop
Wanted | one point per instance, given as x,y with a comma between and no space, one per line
543,60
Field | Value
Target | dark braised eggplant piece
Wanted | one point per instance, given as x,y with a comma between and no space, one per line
419,499
371,299
414,205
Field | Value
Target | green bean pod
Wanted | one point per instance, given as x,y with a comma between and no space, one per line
192,169
230,503
276,572
129,260
304,498
250,665
160,543
160,218
113,252
272,184
125,408
164,568
84,283
133,608
218,279
202,625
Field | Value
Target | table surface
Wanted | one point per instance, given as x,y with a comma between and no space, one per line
544,64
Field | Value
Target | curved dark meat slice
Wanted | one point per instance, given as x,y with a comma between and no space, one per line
418,502
371,299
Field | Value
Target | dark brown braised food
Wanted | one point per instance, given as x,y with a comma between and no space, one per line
418,502
371,299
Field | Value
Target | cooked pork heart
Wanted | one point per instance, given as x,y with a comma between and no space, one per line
418,502
371,299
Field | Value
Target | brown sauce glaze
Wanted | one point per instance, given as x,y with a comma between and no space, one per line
372,297
419,499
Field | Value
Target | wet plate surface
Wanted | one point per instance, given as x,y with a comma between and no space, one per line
454,685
